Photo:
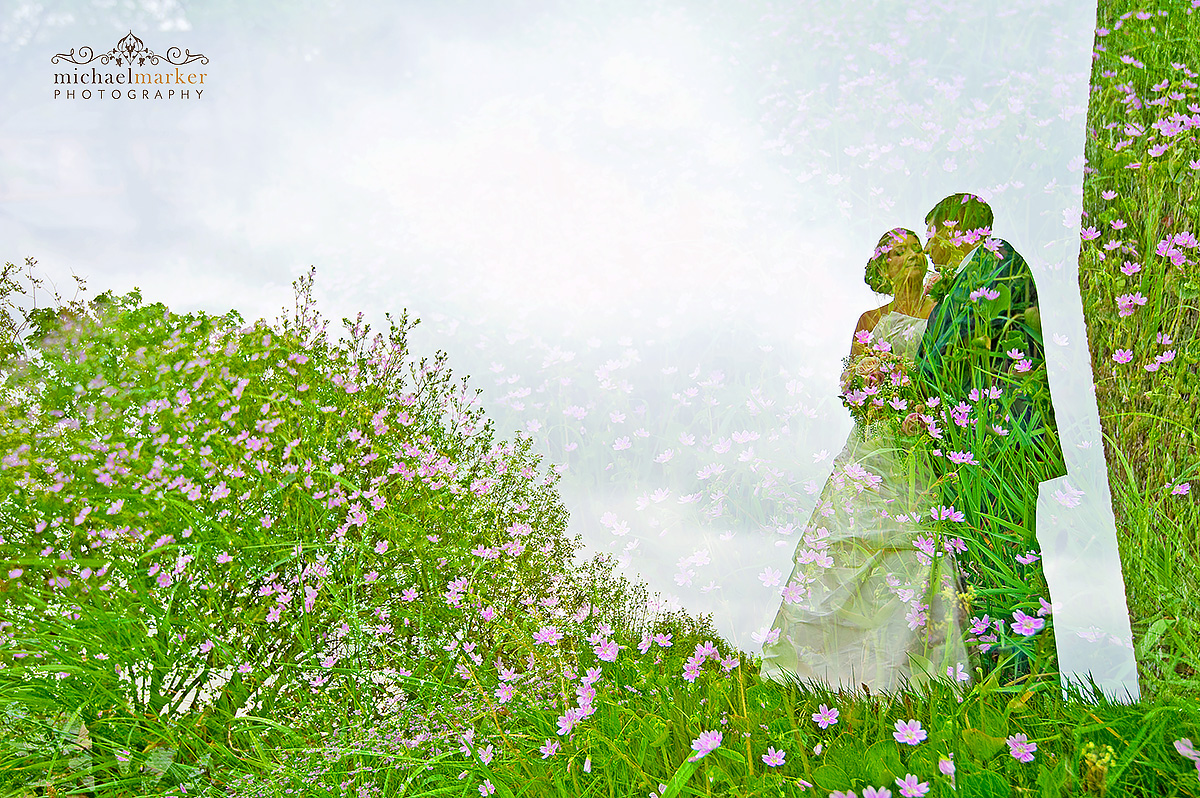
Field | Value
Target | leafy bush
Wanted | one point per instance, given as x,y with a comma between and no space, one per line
207,524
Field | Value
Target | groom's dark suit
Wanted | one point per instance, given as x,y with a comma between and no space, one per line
963,348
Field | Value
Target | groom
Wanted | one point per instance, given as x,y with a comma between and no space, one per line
983,346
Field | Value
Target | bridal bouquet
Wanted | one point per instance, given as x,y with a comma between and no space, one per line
879,391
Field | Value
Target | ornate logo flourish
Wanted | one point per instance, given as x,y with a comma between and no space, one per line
129,50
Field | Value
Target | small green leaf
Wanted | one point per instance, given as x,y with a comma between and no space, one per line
680,778
1033,318
883,762
983,784
779,727
991,308
1153,635
994,722
847,756
731,755
158,760
831,778
982,746
1014,340
990,684
1051,782
921,668
655,730
1018,704
763,695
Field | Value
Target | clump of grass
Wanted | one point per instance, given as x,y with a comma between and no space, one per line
1139,280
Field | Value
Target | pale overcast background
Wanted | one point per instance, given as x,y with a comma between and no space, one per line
640,227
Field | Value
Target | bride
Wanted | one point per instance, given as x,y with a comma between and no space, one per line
871,600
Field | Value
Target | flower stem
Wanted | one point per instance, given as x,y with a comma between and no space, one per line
749,753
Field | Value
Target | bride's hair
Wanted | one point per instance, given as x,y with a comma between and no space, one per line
876,277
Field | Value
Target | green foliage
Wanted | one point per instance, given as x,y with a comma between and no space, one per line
982,745
122,427
882,764
1148,417
985,784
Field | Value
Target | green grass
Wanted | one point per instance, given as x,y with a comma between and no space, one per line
290,739
1148,417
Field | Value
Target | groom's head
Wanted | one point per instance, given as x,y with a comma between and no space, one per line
954,223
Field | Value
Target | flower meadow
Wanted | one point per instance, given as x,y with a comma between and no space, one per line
245,560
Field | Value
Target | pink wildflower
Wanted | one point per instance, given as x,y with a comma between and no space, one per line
1027,625
909,732
1020,748
704,744
826,717
911,788
773,758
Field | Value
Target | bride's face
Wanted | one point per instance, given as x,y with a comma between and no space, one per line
906,259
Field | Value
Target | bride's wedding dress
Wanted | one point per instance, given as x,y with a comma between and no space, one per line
858,607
